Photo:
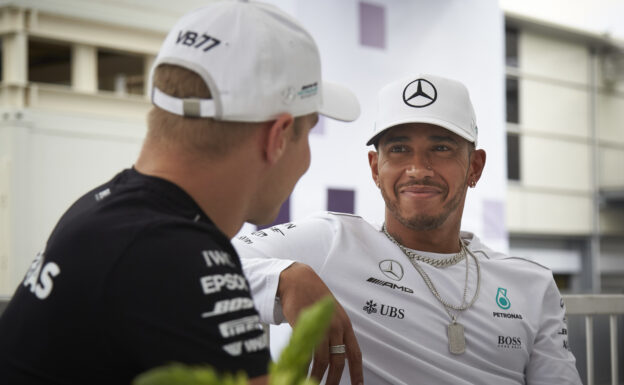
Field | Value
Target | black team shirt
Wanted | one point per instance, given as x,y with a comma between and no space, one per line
133,276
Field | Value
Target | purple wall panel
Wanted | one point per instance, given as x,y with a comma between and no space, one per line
341,200
372,25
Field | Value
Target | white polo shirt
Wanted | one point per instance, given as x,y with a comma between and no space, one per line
515,332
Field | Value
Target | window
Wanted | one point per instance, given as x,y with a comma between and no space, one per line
513,156
49,62
1,61
511,47
512,105
512,102
562,281
120,72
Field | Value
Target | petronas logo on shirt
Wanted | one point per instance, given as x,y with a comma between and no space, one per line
371,307
501,299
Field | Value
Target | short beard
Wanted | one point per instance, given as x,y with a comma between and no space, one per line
422,222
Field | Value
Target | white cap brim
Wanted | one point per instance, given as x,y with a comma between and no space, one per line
339,103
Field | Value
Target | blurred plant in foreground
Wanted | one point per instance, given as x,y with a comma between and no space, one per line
290,369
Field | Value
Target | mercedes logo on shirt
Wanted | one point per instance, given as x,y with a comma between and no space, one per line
391,269
419,93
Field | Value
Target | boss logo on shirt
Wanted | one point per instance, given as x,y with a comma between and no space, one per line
384,310
509,342
229,306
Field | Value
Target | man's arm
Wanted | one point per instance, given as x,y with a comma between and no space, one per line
551,361
269,263
301,287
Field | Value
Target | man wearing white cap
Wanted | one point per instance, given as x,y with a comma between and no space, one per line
140,272
430,304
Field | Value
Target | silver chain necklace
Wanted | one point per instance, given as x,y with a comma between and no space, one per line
446,262
455,331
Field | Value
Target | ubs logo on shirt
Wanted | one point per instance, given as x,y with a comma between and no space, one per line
384,310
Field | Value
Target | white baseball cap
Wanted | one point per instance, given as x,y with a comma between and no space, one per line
257,61
426,99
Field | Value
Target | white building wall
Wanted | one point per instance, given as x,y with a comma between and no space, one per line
554,195
68,140
53,159
558,119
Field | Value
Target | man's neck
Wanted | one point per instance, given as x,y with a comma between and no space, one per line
444,239
220,187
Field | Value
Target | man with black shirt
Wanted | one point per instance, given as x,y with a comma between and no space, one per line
140,271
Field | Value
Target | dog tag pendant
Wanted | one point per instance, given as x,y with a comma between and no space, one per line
457,341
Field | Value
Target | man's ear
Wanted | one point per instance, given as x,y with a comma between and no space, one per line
276,138
477,163
373,158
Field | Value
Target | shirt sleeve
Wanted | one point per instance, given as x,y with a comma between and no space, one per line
179,295
266,253
551,361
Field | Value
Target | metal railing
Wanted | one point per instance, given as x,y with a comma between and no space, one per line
591,305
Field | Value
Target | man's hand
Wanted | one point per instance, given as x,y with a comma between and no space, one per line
299,287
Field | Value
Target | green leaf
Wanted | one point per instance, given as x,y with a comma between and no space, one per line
180,374
292,366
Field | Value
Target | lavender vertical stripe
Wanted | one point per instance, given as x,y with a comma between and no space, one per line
319,129
282,217
372,25
494,219
342,201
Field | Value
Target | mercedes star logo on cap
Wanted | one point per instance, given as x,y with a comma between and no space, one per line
391,269
419,93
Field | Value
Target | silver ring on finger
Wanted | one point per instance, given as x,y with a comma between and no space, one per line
337,349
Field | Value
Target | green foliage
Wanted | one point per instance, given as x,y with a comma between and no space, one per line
292,366
290,369
179,374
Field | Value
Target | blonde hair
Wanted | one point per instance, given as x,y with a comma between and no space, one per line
203,135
